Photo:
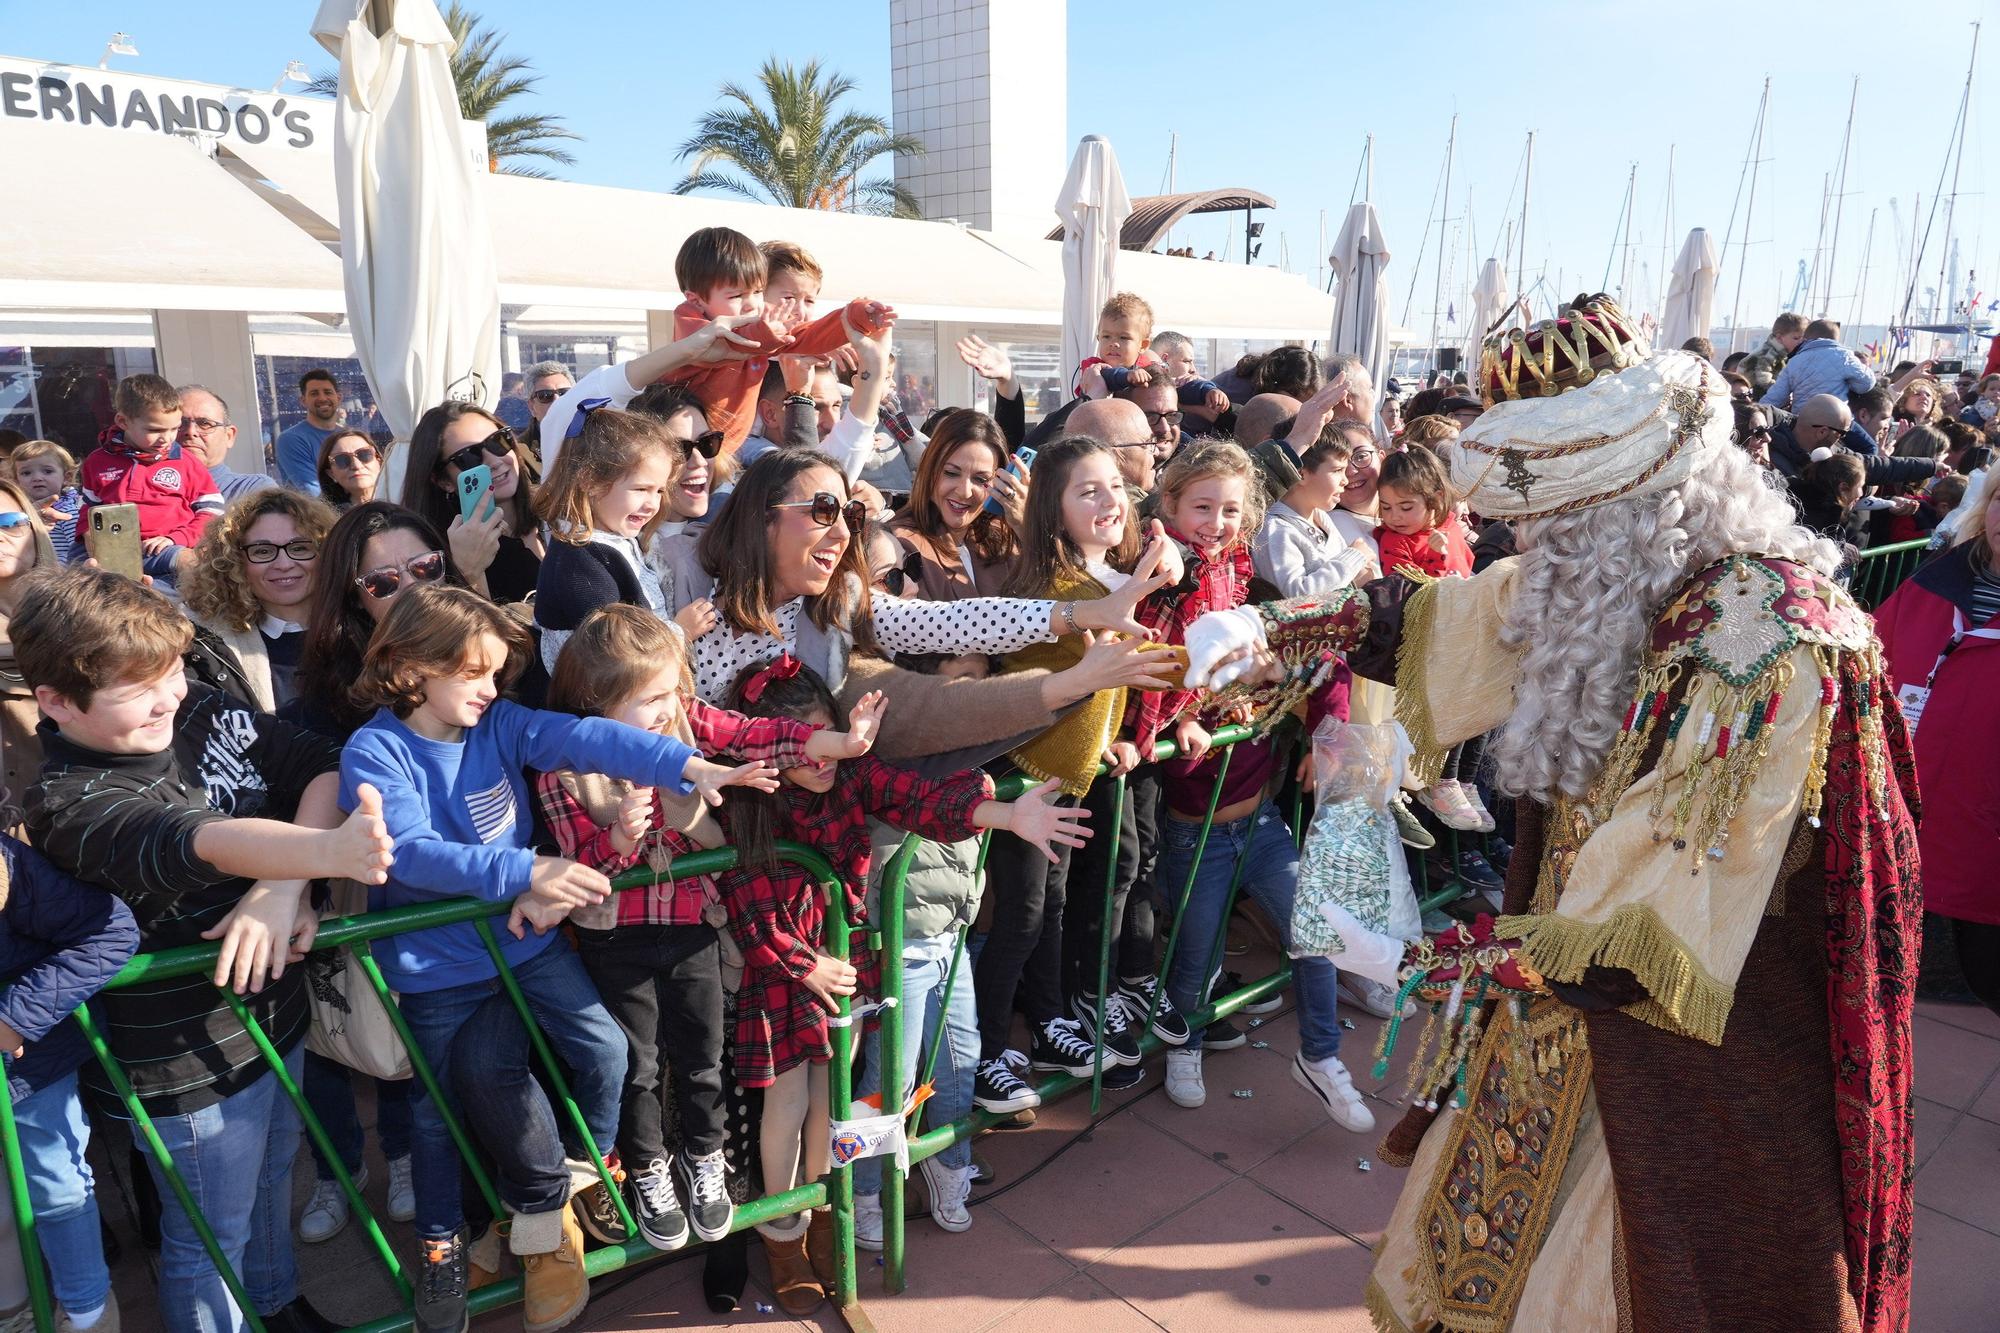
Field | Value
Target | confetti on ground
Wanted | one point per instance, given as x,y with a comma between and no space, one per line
1243,1094
1347,1023
1260,1045
1363,1164
1256,1022
763,1308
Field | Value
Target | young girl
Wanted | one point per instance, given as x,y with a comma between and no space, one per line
1209,502
47,473
653,953
789,983
602,501
1420,532
1078,541
447,754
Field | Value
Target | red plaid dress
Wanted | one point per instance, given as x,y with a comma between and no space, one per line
780,923
716,731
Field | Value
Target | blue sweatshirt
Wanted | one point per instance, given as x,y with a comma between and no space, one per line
462,819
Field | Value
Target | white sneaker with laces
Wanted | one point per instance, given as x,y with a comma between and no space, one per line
950,1186
326,1210
1373,996
1478,808
1184,1085
867,1221
402,1191
1329,1081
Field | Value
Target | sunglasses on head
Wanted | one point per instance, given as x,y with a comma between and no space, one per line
708,444
497,445
300,549
824,508
387,580
546,396
352,459
900,576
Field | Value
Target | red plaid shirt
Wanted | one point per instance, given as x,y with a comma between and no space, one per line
776,740
1221,583
776,914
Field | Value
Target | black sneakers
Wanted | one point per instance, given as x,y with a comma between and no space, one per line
656,1208
1060,1046
1222,1035
441,1286
705,1186
1121,1043
1232,982
1143,994
997,1089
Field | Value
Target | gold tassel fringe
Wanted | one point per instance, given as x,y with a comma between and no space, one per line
1683,997
1413,700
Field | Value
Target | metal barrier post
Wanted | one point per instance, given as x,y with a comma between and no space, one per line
1119,797
24,1212
840,1093
889,917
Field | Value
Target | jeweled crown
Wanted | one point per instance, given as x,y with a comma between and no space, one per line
1589,337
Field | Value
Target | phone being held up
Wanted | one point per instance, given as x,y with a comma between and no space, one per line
473,485
113,540
1017,466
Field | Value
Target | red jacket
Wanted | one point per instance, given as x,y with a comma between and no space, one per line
728,391
175,495
1958,737
1415,550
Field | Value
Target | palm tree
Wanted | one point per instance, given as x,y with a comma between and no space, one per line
796,148
487,81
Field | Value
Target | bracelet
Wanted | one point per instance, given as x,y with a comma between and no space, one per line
1069,616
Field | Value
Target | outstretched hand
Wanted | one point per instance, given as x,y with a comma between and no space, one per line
1040,822
709,779
1120,610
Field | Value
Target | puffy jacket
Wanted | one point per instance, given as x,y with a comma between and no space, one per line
942,891
1958,737
60,941
1820,365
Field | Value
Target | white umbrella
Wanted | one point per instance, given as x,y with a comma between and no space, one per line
1491,296
416,251
1093,207
1691,296
1361,307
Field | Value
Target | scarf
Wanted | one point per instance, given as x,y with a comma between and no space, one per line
1218,582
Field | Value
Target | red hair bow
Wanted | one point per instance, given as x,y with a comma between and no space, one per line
782,667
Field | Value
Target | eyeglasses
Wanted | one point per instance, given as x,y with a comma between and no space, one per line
823,509
708,444
499,444
300,549
898,577
200,425
547,396
13,518
349,461
387,580
1158,419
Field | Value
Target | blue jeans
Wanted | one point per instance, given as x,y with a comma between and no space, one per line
54,1137
329,1089
1271,879
236,1158
951,1081
506,1111
565,1004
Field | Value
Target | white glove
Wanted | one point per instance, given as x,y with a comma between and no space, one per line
1216,636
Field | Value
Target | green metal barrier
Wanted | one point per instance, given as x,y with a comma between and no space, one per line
1882,569
358,933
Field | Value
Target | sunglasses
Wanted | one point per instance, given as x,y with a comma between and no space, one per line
708,444
1758,433
349,461
898,577
300,549
546,396
497,445
387,580
13,519
824,509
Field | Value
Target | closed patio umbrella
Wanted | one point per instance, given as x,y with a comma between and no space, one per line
1361,304
1491,297
1093,207
1691,295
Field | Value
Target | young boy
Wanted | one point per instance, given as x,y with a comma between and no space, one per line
1124,342
60,941
1199,396
722,272
1296,549
208,820
139,461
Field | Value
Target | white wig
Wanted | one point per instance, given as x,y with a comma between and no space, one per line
1589,588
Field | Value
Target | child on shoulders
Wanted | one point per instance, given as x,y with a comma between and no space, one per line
139,461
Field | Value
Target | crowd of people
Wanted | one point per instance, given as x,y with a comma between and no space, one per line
665,609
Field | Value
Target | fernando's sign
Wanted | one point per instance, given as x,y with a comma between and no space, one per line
74,94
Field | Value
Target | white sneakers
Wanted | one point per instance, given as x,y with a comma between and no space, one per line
950,1187
1374,997
868,1222
326,1210
1184,1085
402,1192
1329,1081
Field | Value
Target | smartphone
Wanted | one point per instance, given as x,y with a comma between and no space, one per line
1948,368
473,483
113,540
1017,466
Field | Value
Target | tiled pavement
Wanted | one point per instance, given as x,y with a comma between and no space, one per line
1249,1214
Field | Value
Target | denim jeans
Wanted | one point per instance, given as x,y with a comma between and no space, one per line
54,1137
329,1089
506,1111
1271,879
923,1009
566,1006
236,1158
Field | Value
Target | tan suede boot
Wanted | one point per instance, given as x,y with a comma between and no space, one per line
483,1257
793,1282
820,1247
554,1287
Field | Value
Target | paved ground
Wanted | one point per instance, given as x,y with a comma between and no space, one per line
1249,1213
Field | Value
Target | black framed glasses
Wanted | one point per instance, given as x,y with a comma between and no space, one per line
1757,433
1157,420
499,444
824,508
547,396
300,549
708,444
387,580
352,459
897,577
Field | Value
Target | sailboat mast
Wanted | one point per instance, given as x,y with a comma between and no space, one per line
1749,213
1527,181
1867,252
1666,234
1811,292
1947,279
1840,192
1624,224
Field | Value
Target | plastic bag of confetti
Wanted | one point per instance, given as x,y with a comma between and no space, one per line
1355,903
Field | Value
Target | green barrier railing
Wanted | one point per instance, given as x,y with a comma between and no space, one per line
358,933
1882,569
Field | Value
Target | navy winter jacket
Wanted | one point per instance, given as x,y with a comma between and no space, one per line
60,941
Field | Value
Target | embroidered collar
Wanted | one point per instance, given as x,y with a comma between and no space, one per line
1744,612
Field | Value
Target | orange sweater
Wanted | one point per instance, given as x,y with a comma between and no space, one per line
729,390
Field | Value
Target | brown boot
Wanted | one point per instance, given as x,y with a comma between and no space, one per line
483,1257
820,1247
793,1282
554,1287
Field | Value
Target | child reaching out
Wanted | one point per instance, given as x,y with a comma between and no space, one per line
653,953
447,754
1123,357
790,985
47,473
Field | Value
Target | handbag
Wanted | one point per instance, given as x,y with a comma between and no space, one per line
349,1024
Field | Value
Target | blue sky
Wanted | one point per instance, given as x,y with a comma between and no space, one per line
1280,95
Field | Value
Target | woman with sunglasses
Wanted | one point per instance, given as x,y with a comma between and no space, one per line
248,589
24,548
350,468
690,496
1753,431
500,550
